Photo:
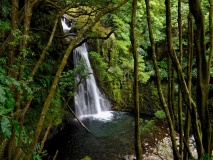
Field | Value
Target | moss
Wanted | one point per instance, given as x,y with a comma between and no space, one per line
87,158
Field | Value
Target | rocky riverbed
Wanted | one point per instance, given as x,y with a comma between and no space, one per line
162,149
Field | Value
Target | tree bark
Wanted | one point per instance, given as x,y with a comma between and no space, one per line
12,67
138,147
187,125
180,116
211,36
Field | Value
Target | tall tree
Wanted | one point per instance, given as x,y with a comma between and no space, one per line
180,115
187,125
138,147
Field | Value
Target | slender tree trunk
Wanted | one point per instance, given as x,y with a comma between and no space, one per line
174,114
12,70
180,116
12,67
45,137
169,96
138,147
211,36
160,92
211,51
47,102
189,83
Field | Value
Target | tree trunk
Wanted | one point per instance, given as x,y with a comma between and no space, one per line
45,137
211,51
138,147
12,67
180,116
211,36
189,84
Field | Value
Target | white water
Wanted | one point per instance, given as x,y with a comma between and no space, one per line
88,99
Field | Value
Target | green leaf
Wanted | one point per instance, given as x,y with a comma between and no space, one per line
17,127
5,111
10,103
6,127
36,157
2,95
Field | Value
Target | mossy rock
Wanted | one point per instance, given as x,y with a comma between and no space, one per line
87,158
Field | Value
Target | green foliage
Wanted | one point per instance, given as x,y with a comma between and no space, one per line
204,157
7,103
67,80
36,155
4,25
17,37
56,111
160,114
147,126
6,127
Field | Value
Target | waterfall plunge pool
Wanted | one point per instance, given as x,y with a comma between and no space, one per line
110,139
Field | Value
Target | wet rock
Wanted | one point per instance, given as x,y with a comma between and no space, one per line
129,157
163,150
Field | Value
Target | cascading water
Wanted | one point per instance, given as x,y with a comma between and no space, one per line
88,99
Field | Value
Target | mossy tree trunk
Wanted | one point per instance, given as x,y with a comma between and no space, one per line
12,67
211,47
138,147
211,35
187,125
180,115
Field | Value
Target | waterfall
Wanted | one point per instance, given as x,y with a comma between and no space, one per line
88,98
66,25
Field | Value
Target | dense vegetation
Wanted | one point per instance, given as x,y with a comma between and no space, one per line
134,46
